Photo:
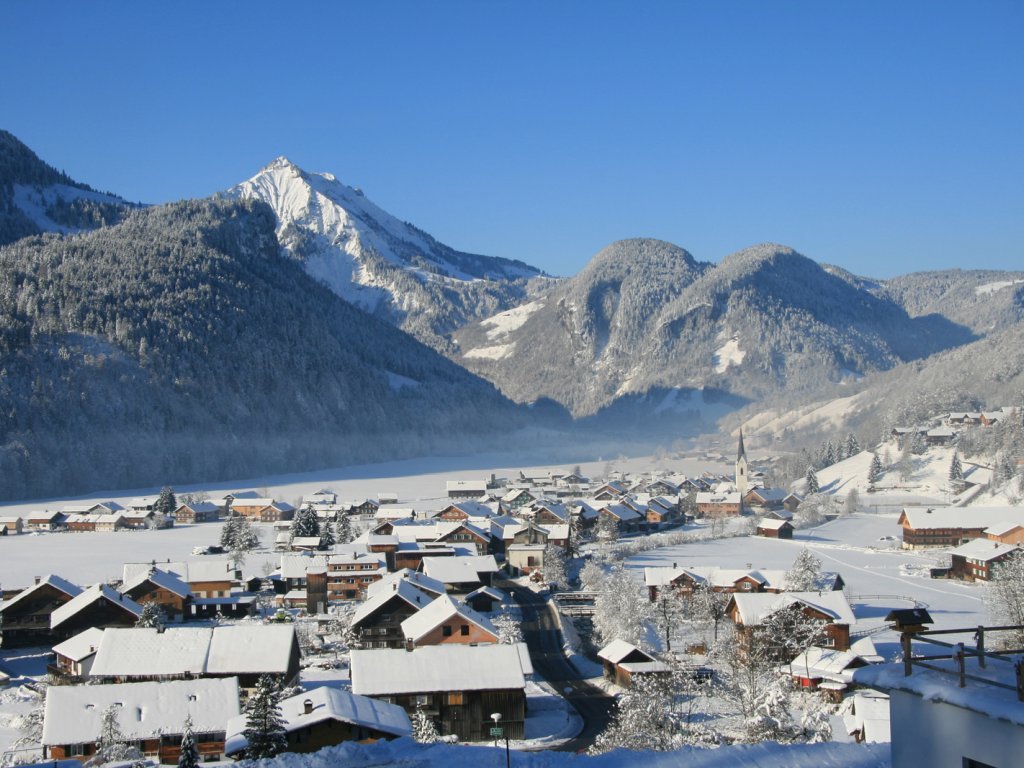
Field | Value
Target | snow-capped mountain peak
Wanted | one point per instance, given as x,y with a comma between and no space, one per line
377,261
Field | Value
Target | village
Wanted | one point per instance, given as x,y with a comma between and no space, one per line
535,606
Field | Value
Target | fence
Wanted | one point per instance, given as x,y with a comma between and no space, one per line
960,654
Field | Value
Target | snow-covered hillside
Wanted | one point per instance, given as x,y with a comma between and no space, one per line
374,260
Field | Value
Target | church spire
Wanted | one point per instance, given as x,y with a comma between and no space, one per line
741,453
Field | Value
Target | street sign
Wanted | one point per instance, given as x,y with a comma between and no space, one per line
496,731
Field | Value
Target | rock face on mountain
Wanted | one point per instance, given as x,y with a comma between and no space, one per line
183,344
382,265
36,198
645,315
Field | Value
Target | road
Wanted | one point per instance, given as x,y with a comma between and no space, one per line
540,630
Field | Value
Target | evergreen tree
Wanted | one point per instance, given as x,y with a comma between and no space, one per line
343,530
305,524
423,728
152,616
166,503
264,727
956,473
852,446
112,746
875,470
830,456
554,567
189,757
327,538
804,574
812,481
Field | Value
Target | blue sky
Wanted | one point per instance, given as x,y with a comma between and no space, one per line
884,137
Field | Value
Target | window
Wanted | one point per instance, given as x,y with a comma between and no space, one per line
464,630
454,699
446,631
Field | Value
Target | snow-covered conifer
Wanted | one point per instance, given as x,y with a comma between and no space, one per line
875,470
811,481
423,728
805,572
956,473
152,616
189,757
264,727
165,502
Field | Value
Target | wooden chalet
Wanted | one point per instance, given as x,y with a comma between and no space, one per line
163,588
719,504
925,527
774,529
350,575
150,715
469,535
263,510
97,606
11,525
445,621
198,512
976,560
830,609
458,686
623,661
25,618
378,621
45,521
325,717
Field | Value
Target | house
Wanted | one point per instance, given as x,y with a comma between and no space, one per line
74,657
349,576
940,436
163,588
445,621
461,574
323,497
517,498
263,510
941,719
774,529
524,559
80,522
661,511
622,660
421,581
792,502
625,516
924,527
611,490
45,521
150,715
550,513
486,599
975,560
718,503
1006,533
25,618
816,667
465,510
684,581
11,525
198,512
829,609
763,499
98,606
458,686
324,717
378,621
209,577
242,651
470,535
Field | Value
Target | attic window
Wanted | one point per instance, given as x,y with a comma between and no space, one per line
191,697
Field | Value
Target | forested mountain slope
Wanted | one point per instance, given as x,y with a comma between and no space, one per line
184,344
645,315
385,266
35,197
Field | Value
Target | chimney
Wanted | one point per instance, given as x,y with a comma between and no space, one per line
409,644
307,706
38,579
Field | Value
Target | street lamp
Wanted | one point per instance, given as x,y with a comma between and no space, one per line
497,731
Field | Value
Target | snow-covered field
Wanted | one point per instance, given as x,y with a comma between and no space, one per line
864,549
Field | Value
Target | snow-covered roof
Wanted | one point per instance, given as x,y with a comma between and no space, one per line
491,592
89,596
402,589
473,486
923,518
717,497
144,652
432,587
328,704
617,650
251,649
192,571
295,566
51,580
825,663
769,494
440,610
772,523
621,512
459,570
440,668
200,507
144,710
753,608
984,549
81,646
867,712
160,578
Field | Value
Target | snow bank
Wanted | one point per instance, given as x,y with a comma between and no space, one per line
409,754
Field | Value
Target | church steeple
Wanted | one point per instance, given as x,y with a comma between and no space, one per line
742,468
